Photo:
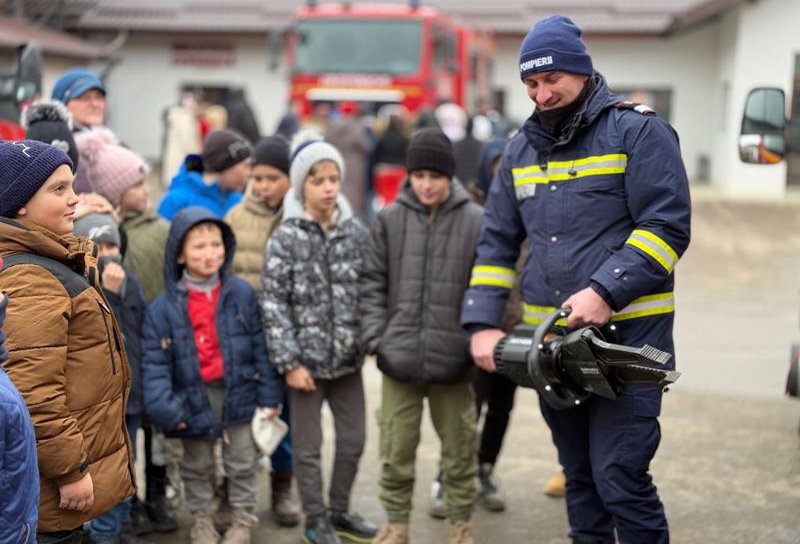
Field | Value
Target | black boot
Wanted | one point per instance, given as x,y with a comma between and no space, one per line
159,510
140,521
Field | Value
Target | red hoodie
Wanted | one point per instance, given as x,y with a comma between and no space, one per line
203,315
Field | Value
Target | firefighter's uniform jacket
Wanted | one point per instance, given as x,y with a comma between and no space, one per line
607,204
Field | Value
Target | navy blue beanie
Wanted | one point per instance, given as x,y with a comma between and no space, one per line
24,167
554,44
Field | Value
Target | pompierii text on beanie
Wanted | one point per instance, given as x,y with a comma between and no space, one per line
25,166
554,44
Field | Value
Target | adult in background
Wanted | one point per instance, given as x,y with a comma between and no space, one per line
600,191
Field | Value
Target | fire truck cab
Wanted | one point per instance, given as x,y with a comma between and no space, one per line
377,54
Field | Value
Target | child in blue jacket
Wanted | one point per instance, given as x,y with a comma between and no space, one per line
19,486
206,369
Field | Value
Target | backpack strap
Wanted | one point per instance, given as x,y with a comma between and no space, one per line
643,109
73,283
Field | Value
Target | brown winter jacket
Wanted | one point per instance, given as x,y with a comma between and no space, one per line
253,222
67,359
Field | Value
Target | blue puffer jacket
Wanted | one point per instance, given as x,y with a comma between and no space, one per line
606,205
173,389
187,188
19,482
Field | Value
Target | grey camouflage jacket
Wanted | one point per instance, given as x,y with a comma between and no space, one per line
310,291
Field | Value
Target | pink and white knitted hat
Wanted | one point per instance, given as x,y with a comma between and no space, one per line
110,168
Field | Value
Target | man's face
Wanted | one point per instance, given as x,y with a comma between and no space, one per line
550,90
88,109
53,205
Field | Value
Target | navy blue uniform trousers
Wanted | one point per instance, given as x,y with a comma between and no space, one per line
605,447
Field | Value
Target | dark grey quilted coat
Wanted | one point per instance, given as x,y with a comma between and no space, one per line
417,270
310,289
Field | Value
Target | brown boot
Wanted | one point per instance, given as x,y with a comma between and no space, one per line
203,530
556,486
285,509
241,529
460,532
392,533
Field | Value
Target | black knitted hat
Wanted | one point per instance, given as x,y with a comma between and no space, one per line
431,149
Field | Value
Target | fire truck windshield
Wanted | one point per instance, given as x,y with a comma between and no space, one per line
358,46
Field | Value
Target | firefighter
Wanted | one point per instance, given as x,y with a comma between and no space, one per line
598,187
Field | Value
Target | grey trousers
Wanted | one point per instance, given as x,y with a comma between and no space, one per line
345,397
238,457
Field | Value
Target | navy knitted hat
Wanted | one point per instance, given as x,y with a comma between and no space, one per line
554,44
272,151
24,167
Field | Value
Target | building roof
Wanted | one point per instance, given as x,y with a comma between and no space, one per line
642,17
15,32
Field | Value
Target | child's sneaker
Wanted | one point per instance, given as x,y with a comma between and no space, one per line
353,527
489,494
319,530
438,508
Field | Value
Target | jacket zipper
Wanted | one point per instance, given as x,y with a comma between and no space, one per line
105,310
425,284
331,312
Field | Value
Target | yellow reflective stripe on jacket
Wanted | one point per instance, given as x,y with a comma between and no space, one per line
566,170
496,276
662,303
655,247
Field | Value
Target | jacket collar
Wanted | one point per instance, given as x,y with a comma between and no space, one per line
600,99
22,236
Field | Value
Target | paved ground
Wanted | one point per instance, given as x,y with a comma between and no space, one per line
728,468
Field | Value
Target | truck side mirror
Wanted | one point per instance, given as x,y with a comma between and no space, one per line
28,85
762,139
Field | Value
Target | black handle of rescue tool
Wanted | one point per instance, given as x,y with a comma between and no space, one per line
562,398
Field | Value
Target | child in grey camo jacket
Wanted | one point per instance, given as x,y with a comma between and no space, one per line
309,301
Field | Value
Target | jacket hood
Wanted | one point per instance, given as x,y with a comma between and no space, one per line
490,153
293,207
458,196
192,181
25,237
600,99
181,224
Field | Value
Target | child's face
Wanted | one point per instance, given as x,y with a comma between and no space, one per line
53,205
107,249
203,252
235,177
136,198
432,188
270,185
321,188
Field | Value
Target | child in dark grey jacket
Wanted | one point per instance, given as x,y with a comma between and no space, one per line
417,270
309,302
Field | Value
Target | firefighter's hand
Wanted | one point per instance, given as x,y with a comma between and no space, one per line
588,308
113,277
481,346
78,495
300,378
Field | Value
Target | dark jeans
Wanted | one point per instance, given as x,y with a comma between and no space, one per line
74,536
497,393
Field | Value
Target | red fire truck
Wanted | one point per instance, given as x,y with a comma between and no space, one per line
386,54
